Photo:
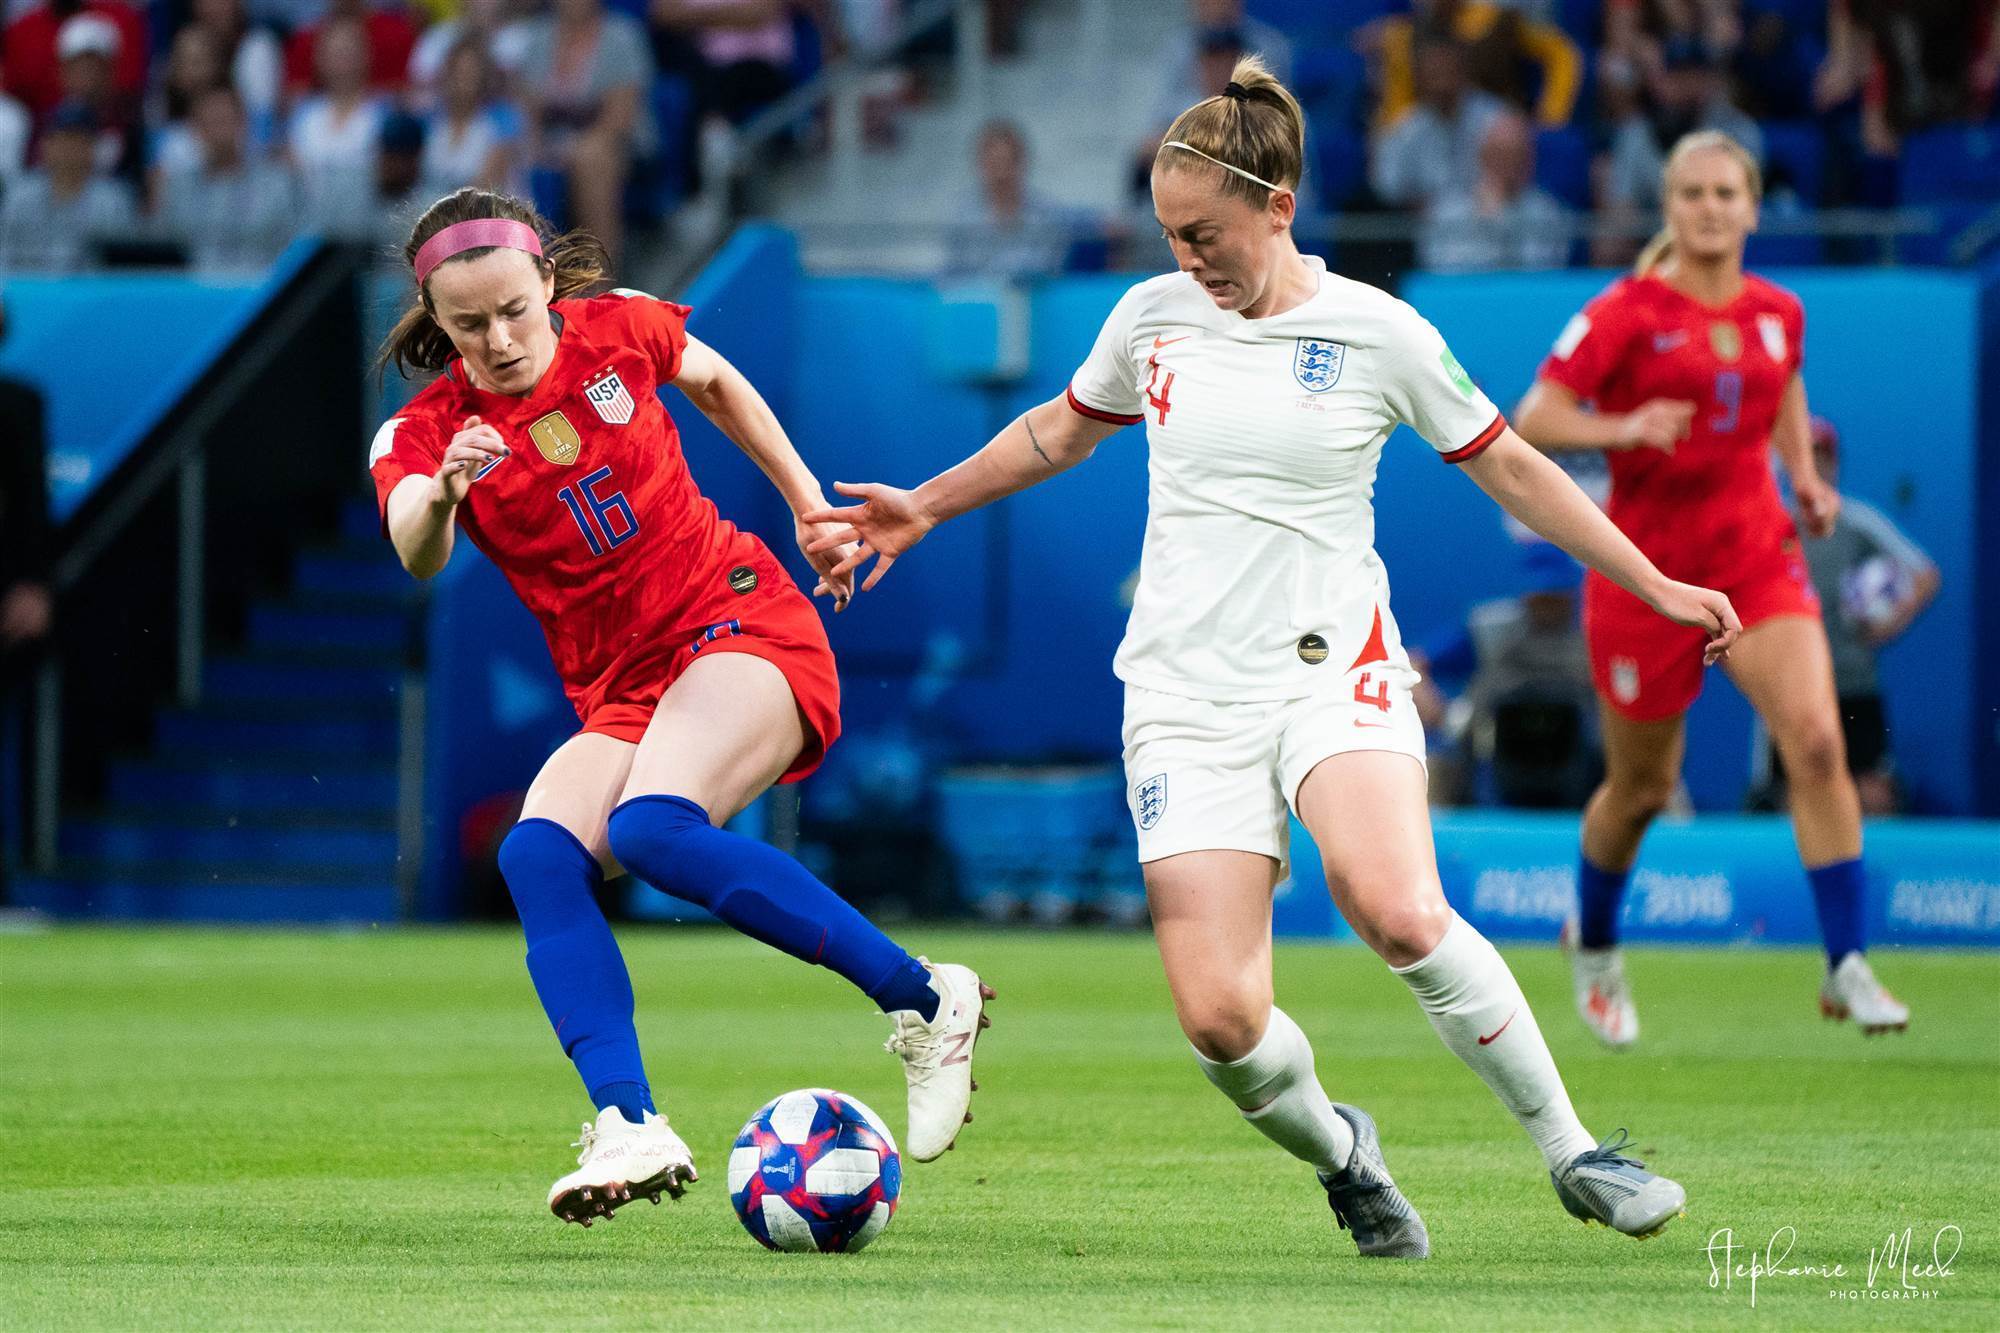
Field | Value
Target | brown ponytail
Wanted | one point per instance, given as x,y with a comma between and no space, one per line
575,259
1254,125
1701,141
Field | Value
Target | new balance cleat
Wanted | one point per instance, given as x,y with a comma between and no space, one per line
937,1058
621,1162
1851,991
1366,1202
1605,1186
1604,997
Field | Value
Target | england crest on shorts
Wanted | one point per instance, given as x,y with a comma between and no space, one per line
1316,363
1149,800
608,395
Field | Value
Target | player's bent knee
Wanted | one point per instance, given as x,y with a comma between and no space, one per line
1228,1029
1816,754
1642,799
1404,932
537,852
647,834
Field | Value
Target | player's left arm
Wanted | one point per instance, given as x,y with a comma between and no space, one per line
1527,484
729,400
1791,437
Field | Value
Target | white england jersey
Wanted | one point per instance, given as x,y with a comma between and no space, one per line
1259,579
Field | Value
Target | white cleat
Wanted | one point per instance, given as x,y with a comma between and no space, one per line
937,1058
1851,991
1607,1187
621,1162
1604,997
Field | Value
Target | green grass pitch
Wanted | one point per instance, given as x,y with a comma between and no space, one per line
275,1130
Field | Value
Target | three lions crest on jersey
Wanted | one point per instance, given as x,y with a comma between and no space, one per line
1316,364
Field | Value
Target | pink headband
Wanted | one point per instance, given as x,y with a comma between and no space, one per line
475,234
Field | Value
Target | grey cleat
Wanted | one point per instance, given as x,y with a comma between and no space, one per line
1605,1186
1366,1201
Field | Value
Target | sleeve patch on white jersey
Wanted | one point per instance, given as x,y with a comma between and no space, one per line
1573,335
385,440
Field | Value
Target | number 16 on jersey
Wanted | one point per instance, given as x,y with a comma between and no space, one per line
614,523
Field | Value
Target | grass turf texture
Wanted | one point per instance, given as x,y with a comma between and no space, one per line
217,1130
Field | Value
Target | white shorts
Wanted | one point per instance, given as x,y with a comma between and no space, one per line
1206,776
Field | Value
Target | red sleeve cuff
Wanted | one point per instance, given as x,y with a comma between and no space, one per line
1478,444
1115,418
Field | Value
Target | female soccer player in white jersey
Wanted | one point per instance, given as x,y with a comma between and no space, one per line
1262,666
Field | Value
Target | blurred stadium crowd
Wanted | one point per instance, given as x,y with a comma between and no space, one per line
208,132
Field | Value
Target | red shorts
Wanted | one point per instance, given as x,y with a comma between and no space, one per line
783,628
1647,667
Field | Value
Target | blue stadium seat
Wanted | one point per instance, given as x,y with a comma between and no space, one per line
1562,165
1579,18
1954,172
1339,164
1305,17
1958,163
1795,153
1807,16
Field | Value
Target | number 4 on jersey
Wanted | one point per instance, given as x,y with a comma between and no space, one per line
602,508
1380,698
1158,400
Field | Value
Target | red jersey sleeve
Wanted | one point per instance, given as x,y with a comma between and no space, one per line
1592,345
658,328
406,446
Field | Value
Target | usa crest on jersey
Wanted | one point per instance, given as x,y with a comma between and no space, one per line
610,398
1772,330
1316,363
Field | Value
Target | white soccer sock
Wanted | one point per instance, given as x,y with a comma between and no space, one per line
1279,1094
1476,1005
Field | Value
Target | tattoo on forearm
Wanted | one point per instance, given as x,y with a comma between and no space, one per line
1035,442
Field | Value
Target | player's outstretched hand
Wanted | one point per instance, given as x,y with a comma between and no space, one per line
1658,423
825,559
1819,505
886,523
1704,609
465,460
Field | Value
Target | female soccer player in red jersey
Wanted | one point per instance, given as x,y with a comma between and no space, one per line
699,672
1693,366
1263,669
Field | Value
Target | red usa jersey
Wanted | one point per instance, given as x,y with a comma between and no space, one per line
1711,508
593,517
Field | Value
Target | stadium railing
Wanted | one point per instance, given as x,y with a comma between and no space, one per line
223,471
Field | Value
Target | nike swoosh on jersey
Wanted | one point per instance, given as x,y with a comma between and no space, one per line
1159,342
1667,342
1386,726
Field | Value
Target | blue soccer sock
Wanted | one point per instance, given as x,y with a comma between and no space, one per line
574,961
1840,893
669,842
1599,895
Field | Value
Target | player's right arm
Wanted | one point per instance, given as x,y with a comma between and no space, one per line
419,509
1588,352
1041,442
1553,418
1102,398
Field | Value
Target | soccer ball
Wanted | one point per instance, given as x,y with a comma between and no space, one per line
815,1170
